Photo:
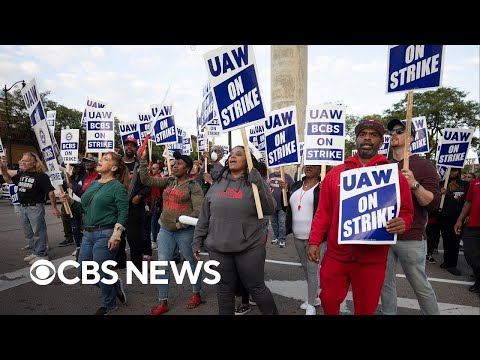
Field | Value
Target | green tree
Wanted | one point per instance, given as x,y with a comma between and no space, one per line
66,118
442,108
350,122
19,126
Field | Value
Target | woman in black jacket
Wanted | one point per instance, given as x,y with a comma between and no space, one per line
303,200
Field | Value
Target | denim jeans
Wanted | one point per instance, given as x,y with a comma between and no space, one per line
95,247
167,242
411,254
278,225
35,228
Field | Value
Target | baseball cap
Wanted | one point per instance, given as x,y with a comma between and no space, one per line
187,159
394,122
131,139
372,123
91,158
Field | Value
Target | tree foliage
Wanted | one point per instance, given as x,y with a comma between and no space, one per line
442,108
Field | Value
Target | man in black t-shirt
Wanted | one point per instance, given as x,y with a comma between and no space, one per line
137,192
33,186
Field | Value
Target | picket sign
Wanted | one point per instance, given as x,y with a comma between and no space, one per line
256,195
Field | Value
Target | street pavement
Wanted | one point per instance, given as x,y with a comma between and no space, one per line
283,275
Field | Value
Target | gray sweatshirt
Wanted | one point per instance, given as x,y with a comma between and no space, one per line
228,220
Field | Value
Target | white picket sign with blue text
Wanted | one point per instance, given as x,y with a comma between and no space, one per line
100,130
420,144
13,191
281,137
41,131
202,143
69,139
130,128
163,129
442,171
51,116
256,135
233,77
92,103
369,197
385,146
413,67
453,147
34,105
145,122
325,134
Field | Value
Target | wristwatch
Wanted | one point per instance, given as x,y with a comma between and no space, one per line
416,186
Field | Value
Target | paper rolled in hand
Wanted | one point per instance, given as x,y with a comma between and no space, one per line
188,220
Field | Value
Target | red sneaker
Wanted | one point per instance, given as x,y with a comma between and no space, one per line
194,301
160,310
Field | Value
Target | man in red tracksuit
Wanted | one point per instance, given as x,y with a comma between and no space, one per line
362,266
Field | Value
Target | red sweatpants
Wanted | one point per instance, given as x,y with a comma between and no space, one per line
366,279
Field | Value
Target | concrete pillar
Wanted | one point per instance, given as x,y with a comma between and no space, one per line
289,81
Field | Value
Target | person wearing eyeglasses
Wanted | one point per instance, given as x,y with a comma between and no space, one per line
33,186
411,247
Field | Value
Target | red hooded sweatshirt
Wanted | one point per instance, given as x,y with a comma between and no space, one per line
325,221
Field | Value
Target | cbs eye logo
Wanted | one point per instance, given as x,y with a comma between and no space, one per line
42,272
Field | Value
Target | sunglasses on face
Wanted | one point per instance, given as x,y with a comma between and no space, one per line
398,131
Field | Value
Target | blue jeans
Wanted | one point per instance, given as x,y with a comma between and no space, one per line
278,225
167,241
35,228
95,247
411,254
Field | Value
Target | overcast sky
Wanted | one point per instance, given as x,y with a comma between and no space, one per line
131,78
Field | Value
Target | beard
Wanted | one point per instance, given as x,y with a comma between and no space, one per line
367,153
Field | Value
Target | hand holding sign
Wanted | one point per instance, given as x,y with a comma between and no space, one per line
409,176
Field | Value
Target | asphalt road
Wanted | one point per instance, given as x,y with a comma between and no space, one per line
283,275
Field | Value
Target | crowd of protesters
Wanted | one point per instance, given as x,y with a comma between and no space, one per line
119,199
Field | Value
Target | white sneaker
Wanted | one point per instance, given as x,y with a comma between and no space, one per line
305,304
310,310
31,262
27,247
29,257
274,241
76,251
154,245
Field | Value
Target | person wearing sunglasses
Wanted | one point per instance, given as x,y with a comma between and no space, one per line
411,247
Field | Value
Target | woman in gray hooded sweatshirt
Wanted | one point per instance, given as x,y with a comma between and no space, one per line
229,228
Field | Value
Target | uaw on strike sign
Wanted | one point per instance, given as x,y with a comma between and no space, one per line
233,76
453,148
369,197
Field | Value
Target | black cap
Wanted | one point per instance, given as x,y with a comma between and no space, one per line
186,159
394,122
